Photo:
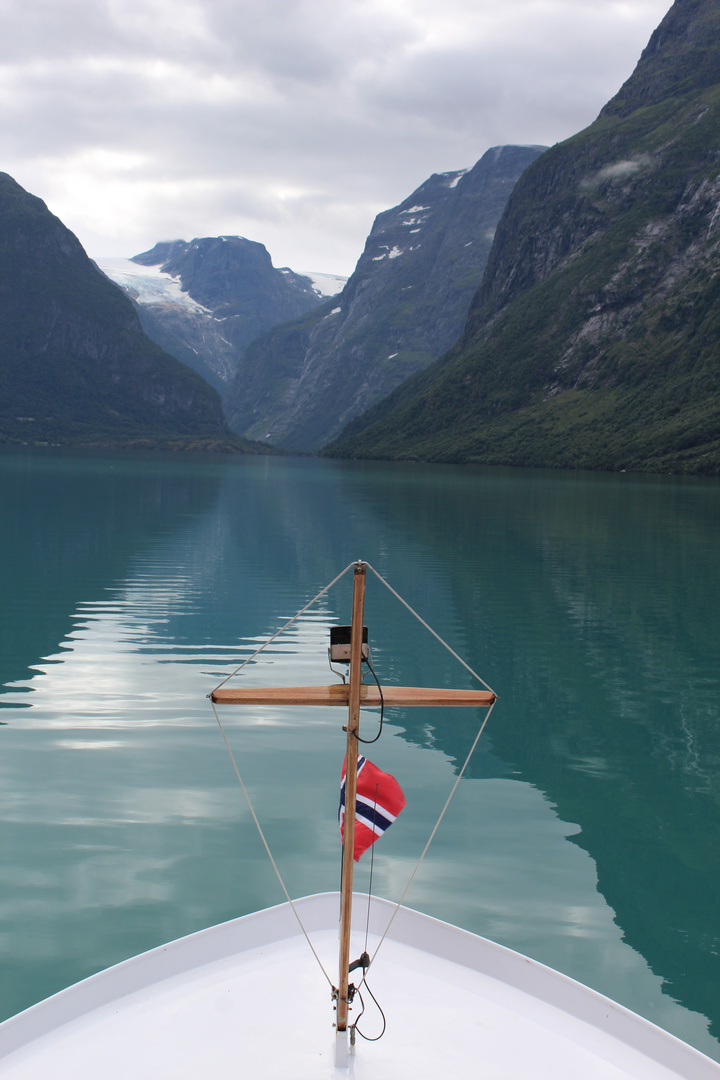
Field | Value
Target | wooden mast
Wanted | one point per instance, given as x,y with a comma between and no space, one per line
354,694
353,724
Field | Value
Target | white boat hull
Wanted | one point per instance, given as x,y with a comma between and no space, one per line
247,999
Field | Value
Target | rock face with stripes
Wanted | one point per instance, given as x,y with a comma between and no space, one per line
404,305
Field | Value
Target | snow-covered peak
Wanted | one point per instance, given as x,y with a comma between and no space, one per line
148,284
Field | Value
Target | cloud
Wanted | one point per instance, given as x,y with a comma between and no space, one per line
617,170
293,122
620,169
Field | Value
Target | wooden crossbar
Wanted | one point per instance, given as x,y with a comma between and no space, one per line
339,694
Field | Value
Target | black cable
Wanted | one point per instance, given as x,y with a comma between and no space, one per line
353,1027
382,706
369,1038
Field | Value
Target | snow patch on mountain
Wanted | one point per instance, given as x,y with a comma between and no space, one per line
148,284
392,254
458,177
325,284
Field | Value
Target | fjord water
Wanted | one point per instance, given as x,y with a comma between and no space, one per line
586,832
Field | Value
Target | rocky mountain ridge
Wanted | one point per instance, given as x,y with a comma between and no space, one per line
403,306
219,294
593,339
75,365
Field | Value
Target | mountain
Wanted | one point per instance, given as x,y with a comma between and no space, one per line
593,341
206,300
404,305
75,365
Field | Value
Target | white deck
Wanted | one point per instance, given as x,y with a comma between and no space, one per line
247,999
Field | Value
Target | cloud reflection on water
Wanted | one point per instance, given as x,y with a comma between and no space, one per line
157,824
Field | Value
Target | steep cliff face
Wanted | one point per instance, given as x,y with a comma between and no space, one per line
221,292
593,340
75,365
680,58
404,305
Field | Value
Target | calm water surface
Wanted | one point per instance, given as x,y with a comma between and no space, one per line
587,832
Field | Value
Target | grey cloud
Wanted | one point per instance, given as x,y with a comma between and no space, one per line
292,121
310,41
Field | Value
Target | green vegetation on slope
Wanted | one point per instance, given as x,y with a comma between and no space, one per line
594,341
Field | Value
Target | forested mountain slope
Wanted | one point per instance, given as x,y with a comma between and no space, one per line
75,365
594,340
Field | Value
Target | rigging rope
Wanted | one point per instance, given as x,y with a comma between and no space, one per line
237,771
435,829
428,627
370,883
285,627
447,801
267,848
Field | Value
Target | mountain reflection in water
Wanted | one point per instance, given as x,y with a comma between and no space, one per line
586,833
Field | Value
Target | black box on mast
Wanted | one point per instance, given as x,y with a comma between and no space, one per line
340,644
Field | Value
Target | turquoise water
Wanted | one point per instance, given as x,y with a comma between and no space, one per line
586,832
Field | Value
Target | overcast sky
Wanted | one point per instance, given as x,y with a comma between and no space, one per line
291,122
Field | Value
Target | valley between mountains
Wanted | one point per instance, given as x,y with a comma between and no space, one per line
545,307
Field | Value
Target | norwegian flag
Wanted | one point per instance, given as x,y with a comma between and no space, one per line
379,801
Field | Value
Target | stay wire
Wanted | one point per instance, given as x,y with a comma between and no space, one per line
435,829
370,883
467,759
284,628
234,765
267,847
428,627
363,980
